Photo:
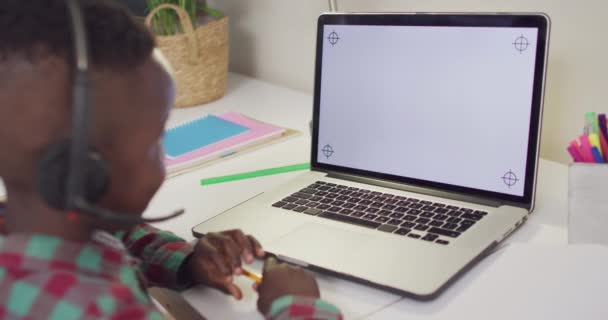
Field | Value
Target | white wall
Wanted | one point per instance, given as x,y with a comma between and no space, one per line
274,40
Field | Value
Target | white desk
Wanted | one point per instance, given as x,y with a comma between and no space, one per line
293,109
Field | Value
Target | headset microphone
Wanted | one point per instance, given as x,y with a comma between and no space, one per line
72,176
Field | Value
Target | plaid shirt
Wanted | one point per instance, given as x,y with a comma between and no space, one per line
45,277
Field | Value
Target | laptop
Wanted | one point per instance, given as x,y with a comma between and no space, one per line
425,146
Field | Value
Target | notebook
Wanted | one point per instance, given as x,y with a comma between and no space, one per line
199,133
206,141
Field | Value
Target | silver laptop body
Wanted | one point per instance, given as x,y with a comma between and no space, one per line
424,153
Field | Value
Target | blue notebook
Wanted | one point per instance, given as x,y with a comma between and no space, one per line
199,133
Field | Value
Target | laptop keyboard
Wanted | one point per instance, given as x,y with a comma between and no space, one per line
425,220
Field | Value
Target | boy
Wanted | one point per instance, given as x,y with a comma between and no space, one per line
54,265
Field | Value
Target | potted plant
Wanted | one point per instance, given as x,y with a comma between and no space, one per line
194,39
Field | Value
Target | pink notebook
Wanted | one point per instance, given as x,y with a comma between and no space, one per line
258,132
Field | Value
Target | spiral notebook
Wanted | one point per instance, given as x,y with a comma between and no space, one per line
193,135
210,138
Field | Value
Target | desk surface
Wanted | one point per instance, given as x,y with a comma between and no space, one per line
293,109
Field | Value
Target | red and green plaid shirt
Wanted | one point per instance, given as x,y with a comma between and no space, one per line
44,277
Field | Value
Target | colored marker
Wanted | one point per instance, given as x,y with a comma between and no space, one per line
591,125
586,149
576,155
594,140
597,156
601,119
604,144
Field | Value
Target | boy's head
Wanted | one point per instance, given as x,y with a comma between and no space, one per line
131,97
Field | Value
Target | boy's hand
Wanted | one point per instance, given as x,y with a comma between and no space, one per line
280,280
217,257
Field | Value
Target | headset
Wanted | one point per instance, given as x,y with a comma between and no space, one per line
72,176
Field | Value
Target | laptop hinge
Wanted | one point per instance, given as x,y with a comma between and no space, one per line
405,187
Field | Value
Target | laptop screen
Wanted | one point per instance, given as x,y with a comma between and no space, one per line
447,105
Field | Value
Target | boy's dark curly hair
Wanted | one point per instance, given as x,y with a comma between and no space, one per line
34,28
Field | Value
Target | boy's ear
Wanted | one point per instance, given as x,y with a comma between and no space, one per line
54,168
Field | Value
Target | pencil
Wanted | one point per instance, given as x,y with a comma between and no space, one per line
252,275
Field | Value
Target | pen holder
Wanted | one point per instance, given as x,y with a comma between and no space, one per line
588,203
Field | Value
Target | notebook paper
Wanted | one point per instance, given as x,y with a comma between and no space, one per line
196,134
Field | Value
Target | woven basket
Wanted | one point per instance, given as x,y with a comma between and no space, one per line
199,57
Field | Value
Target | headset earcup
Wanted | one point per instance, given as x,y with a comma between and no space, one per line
53,169
97,177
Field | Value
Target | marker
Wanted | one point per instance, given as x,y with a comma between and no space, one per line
255,174
601,119
594,140
251,275
597,156
575,153
604,144
591,125
586,148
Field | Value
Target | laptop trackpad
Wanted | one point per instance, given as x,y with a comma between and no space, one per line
320,245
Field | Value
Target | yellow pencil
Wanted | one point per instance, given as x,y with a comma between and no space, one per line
252,275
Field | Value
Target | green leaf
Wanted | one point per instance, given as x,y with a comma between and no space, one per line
213,12
166,22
